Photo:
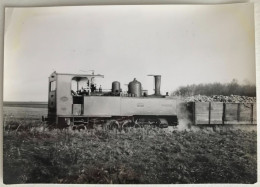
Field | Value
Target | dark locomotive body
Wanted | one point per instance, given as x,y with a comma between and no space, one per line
75,99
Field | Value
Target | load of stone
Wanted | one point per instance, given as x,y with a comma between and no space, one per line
221,98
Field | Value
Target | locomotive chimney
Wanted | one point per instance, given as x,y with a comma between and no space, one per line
157,82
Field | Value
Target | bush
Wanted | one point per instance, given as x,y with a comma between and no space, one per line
232,88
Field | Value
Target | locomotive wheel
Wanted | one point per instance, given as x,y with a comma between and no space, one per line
112,125
126,125
137,124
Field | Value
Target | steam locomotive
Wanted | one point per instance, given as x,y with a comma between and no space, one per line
74,99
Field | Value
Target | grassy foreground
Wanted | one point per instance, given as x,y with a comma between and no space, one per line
35,154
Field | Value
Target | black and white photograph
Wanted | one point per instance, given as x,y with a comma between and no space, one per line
130,94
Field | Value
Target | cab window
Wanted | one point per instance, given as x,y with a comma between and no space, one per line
53,86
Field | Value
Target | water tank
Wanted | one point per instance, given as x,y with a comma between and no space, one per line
116,87
135,88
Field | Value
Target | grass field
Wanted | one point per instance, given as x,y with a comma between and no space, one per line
29,113
35,154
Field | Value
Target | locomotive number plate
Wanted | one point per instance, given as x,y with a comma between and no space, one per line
140,105
64,98
167,105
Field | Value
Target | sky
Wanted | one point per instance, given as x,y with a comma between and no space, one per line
185,44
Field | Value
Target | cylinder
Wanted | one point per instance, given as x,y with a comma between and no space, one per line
157,82
135,88
116,87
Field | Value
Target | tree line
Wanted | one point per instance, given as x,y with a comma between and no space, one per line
217,89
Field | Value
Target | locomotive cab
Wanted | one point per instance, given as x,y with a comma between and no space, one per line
66,94
83,86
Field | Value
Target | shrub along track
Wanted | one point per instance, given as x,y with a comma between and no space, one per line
151,156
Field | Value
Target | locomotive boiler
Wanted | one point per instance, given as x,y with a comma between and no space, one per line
76,99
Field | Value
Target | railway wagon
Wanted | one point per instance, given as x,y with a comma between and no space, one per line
76,99
215,113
